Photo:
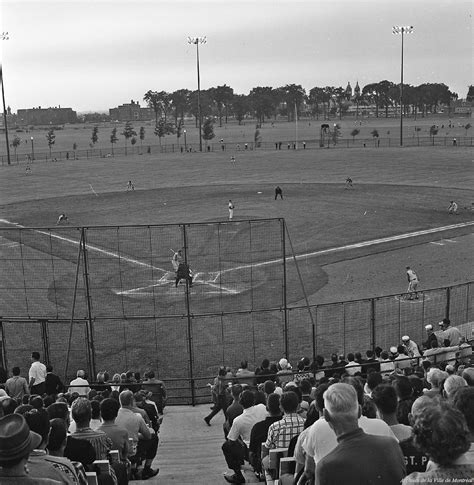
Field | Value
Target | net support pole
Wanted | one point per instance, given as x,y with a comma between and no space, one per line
448,301
285,302
74,297
304,292
89,324
190,326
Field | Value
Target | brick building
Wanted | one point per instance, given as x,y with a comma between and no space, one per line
131,112
46,116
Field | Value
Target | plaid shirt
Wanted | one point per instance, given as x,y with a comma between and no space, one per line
281,432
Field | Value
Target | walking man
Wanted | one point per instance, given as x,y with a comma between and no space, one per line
348,183
231,210
62,218
412,284
130,186
37,375
278,192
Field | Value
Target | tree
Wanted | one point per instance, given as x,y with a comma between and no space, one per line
179,129
336,133
222,95
142,136
113,138
433,132
263,102
74,148
208,129
317,96
370,91
128,132
294,95
466,127
95,134
258,138
240,105
180,102
51,138
163,128
158,101
375,135
16,143
133,141
354,133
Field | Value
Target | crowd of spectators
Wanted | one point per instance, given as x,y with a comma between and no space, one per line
396,416
60,432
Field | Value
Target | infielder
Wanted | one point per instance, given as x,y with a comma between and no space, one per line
412,284
62,218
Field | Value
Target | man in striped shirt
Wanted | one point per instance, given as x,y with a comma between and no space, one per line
281,432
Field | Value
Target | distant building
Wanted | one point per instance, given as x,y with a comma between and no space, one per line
470,94
131,112
46,116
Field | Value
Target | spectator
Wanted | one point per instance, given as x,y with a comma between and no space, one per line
17,386
53,384
281,432
16,444
401,360
245,375
321,438
352,367
334,368
220,389
468,375
263,372
40,464
373,380
109,409
7,405
441,433
435,377
359,458
234,410
385,398
404,392
116,380
151,414
157,389
259,432
145,440
463,400
465,352
371,362
411,348
431,337
284,373
450,333
235,448
95,414
82,414
37,375
387,365
452,384
80,384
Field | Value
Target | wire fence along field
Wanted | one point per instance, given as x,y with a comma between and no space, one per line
25,155
104,298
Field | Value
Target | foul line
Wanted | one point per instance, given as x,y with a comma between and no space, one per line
252,265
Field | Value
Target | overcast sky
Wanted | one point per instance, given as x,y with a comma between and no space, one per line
94,55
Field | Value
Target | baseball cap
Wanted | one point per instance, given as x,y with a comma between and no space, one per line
429,326
393,350
405,338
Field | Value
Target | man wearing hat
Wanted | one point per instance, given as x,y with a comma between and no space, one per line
285,374
449,333
411,347
16,444
431,336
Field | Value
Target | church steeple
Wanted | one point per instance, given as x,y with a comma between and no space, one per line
349,91
357,89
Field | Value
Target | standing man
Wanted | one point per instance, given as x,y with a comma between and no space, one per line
130,186
231,210
37,375
16,386
412,284
177,259
79,384
278,192
453,207
348,183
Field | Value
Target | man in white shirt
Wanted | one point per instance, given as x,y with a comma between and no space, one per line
37,375
321,438
235,449
231,210
352,367
79,384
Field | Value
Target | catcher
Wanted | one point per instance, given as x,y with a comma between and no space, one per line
183,273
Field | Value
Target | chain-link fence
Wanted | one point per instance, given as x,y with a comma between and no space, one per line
104,298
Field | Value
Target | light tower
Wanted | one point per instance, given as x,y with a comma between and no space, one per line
197,41
396,30
4,36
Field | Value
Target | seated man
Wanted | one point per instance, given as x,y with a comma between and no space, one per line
109,409
15,447
235,448
157,389
145,441
234,410
281,432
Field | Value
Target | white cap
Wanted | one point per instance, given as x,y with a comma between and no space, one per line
393,350
441,323
405,338
429,326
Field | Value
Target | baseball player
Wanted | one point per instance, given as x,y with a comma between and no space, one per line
412,284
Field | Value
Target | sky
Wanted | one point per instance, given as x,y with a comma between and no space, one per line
92,55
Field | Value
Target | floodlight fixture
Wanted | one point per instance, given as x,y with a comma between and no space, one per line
401,30
197,40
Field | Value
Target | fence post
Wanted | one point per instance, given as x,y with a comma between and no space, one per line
448,301
372,322
89,324
285,306
44,338
190,327
3,354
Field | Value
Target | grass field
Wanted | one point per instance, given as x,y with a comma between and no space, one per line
396,191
